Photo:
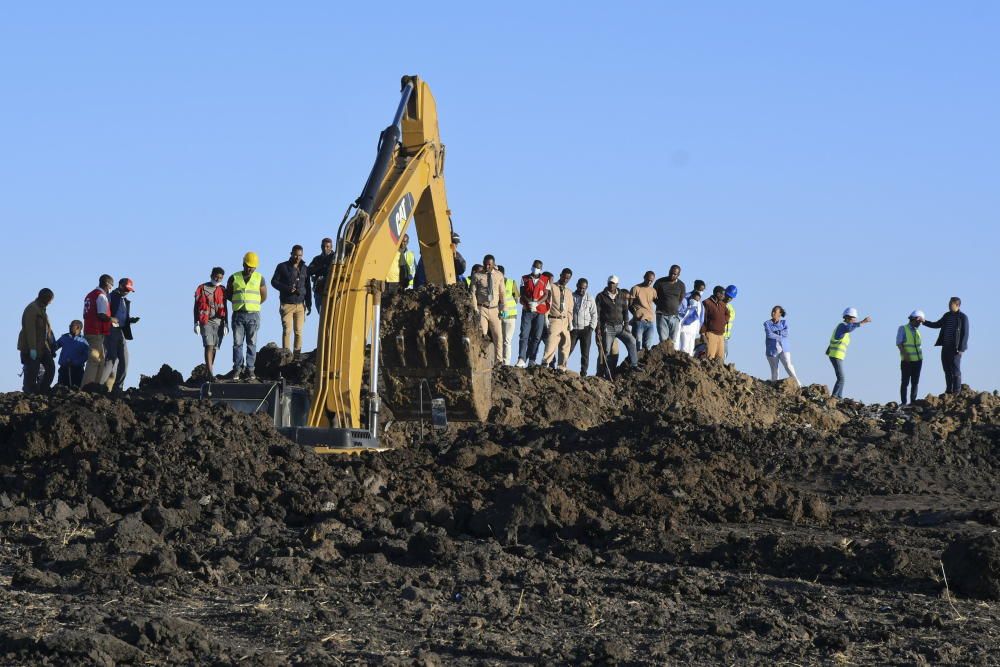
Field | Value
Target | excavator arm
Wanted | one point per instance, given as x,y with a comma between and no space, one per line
406,185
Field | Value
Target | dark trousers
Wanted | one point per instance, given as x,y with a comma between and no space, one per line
71,376
910,375
532,328
951,362
838,369
38,373
585,337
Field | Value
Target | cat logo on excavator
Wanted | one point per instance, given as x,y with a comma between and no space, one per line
399,215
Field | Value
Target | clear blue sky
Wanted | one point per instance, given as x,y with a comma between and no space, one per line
818,156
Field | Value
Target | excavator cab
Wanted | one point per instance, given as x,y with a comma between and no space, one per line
430,345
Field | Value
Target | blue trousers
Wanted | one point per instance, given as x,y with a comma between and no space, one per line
838,368
643,333
532,326
245,327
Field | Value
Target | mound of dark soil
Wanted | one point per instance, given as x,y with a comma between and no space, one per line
973,566
684,513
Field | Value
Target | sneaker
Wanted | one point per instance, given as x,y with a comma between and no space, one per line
520,364
248,375
232,375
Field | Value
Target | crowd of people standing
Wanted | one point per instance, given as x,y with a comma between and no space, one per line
554,320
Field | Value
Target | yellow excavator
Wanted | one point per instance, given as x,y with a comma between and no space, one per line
439,353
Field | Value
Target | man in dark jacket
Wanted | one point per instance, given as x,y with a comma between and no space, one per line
318,269
612,312
115,347
291,279
35,343
953,340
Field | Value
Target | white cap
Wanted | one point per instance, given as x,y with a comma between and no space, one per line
851,312
613,279
917,314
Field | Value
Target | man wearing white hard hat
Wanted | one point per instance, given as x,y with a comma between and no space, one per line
612,312
837,349
911,356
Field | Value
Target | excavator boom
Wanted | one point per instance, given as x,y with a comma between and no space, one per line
406,184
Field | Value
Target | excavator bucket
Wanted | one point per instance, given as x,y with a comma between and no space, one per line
433,347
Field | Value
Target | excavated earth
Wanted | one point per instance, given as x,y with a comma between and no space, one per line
684,514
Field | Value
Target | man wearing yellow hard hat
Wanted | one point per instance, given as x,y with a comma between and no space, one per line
247,291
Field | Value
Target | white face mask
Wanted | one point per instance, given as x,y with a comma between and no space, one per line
216,282
535,271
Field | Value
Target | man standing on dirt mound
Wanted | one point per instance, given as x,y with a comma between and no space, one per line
508,316
115,345
97,322
291,279
487,299
584,322
246,291
670,295
557,341
953,341
731,292
714,327
534,306
911,356
210,318
35,343
612,311
837,349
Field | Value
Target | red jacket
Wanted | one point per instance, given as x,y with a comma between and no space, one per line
535,289
205,309
92,325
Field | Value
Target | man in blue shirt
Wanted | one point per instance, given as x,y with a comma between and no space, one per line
73,357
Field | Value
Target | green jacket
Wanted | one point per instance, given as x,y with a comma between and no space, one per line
36,334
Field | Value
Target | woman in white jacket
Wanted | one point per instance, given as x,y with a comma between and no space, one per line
692,315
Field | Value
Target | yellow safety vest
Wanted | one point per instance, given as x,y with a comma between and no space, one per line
838,346
510,297
729,325
246,293
911,345
393,276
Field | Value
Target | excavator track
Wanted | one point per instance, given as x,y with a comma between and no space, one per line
433,347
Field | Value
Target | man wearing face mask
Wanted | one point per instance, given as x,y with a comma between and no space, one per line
558,341
911,356
534,307
643,297
97,322
210,316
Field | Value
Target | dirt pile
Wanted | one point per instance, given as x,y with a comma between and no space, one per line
686,513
